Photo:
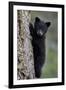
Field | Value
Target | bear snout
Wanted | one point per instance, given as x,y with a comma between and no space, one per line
39,32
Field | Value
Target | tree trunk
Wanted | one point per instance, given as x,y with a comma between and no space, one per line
25,65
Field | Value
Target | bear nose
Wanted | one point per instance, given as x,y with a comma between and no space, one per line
39,32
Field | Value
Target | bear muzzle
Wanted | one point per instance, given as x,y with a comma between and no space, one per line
39,32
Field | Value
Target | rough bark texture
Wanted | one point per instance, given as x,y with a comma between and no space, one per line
25,65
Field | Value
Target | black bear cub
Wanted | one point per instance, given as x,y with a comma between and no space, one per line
38,42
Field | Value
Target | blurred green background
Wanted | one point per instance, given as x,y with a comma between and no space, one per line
50,68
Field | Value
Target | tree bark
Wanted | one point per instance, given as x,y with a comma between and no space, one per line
25,65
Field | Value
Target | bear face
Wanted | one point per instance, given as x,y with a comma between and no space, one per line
40,27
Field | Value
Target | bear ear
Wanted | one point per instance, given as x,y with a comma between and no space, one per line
48,24
37,19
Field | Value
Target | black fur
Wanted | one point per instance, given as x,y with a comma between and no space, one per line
38,34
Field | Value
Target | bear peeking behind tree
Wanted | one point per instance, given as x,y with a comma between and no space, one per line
38,42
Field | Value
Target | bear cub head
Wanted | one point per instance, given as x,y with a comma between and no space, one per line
40,27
